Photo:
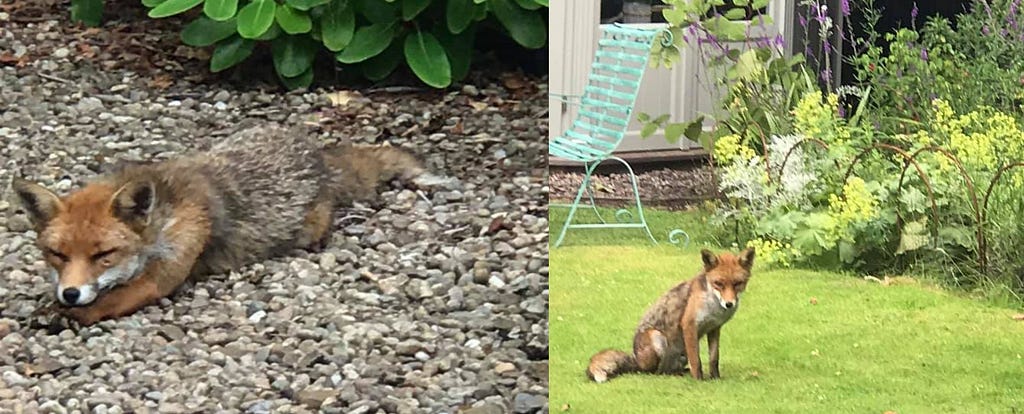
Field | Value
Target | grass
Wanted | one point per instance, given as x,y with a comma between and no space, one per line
862,347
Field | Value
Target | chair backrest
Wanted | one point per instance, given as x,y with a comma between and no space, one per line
607,103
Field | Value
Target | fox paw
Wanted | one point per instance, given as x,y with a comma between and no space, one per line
83,315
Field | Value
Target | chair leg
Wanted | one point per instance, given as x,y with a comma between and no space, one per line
636,193
572,209
593,203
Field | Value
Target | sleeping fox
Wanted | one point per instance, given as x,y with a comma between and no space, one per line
133,236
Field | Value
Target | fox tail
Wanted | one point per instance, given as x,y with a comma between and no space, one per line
610,363
358,170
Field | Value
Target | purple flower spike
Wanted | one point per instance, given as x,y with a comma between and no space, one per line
778,41
913,12
924,54
842,111
985,31
803,21
845,4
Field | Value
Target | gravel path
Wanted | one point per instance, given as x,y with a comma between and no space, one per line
668,188
418,305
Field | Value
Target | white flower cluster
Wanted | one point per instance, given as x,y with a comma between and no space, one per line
790,184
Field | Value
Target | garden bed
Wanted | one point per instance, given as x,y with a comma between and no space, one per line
683,186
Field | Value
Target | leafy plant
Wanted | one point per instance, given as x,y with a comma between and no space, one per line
434,38
744,70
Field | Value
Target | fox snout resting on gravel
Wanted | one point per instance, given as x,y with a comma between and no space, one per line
132,237
668,337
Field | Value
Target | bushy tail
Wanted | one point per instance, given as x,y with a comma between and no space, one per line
610,363
359,170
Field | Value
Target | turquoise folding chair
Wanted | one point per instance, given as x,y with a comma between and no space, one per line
605,110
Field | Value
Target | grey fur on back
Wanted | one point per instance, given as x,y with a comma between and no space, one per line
257,185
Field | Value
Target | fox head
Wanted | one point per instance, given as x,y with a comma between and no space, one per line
727,275
92,239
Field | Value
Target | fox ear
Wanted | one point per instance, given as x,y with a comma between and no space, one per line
747,258
709,258
40,204
134,202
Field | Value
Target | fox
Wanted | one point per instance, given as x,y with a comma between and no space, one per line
667,340
140,230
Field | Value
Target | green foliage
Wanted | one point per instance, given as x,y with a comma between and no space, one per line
434,38
89,12
976,62
757,85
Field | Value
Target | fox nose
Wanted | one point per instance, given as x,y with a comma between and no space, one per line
71,295
729,305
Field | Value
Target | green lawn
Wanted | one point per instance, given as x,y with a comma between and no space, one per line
862,348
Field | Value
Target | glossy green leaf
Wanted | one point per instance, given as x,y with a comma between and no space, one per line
736,14
338,26
230,53
255,18
298,82
272,33
428,59
759,4
526,27
89,12
293,21
459,14
459,48
152,3
305,5
368,42
381,66
377,11
542,2
648,130
674,131
293,55
412,8
528,4
220,10
726,29
173,7
741,3
204,31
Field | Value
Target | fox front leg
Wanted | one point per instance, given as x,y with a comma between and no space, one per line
713,337
692,342
120,301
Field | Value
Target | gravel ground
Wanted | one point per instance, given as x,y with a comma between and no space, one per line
668,188
433,302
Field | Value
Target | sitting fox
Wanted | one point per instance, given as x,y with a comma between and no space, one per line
669,334
135,235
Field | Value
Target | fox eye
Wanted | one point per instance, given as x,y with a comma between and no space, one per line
60,256
103,254
718,284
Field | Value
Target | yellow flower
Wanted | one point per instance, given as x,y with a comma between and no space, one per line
771,252
815,119
729,149
857,205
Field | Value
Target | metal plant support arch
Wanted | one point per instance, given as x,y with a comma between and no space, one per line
920,173
983,253
979,235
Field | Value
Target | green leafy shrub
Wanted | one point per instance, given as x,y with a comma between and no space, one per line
434,38
923,170
757,83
